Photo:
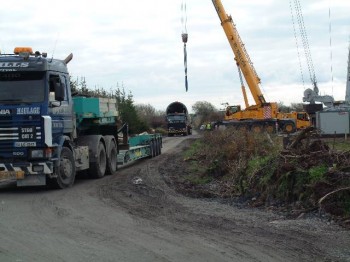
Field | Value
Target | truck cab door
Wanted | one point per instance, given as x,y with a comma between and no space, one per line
60,106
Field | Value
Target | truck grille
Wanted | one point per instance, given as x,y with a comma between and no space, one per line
16,136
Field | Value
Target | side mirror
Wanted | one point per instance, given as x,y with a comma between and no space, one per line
60,89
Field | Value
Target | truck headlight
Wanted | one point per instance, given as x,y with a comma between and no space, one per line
41,153
37,153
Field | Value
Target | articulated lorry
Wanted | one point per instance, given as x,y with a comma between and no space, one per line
47,135
177,118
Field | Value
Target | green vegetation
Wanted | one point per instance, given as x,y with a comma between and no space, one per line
257,168
317,173
339,144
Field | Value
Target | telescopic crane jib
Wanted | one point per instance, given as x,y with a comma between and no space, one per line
262,115
242,58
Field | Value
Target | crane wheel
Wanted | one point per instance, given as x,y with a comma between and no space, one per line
242,128
256,128
269,128
289,128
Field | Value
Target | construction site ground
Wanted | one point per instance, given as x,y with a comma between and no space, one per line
139,215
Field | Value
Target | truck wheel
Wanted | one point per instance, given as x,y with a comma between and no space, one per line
66,170
98,169
112,159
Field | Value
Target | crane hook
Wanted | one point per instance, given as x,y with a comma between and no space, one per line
184,37
184,40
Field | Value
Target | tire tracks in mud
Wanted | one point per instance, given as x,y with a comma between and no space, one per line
146,191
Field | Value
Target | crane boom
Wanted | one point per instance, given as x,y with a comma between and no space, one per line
241,56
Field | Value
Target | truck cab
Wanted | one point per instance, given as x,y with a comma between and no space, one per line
178,120
35,115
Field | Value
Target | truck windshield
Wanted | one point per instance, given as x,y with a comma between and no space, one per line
22,87
176,118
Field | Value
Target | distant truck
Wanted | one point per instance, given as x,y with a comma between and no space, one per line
47,135
178,121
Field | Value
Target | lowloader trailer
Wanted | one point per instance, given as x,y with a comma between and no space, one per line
47,134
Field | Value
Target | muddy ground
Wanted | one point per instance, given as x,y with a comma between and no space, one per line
140,215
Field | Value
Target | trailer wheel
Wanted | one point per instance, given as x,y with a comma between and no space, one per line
112,165
154,148
98,169
65,171
159,146
151,149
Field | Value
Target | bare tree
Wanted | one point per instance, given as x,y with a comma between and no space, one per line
205,112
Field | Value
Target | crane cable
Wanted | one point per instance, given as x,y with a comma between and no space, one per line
305,43
184,36
296,43
330,44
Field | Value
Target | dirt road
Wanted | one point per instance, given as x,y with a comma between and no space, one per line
137,216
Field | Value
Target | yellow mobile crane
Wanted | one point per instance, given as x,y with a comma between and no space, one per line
262,115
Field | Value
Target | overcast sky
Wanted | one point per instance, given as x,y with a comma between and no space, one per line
138,44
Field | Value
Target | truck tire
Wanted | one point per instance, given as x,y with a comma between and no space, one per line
112,165
98,169
65,171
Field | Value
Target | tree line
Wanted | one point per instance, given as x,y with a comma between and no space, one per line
144,117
